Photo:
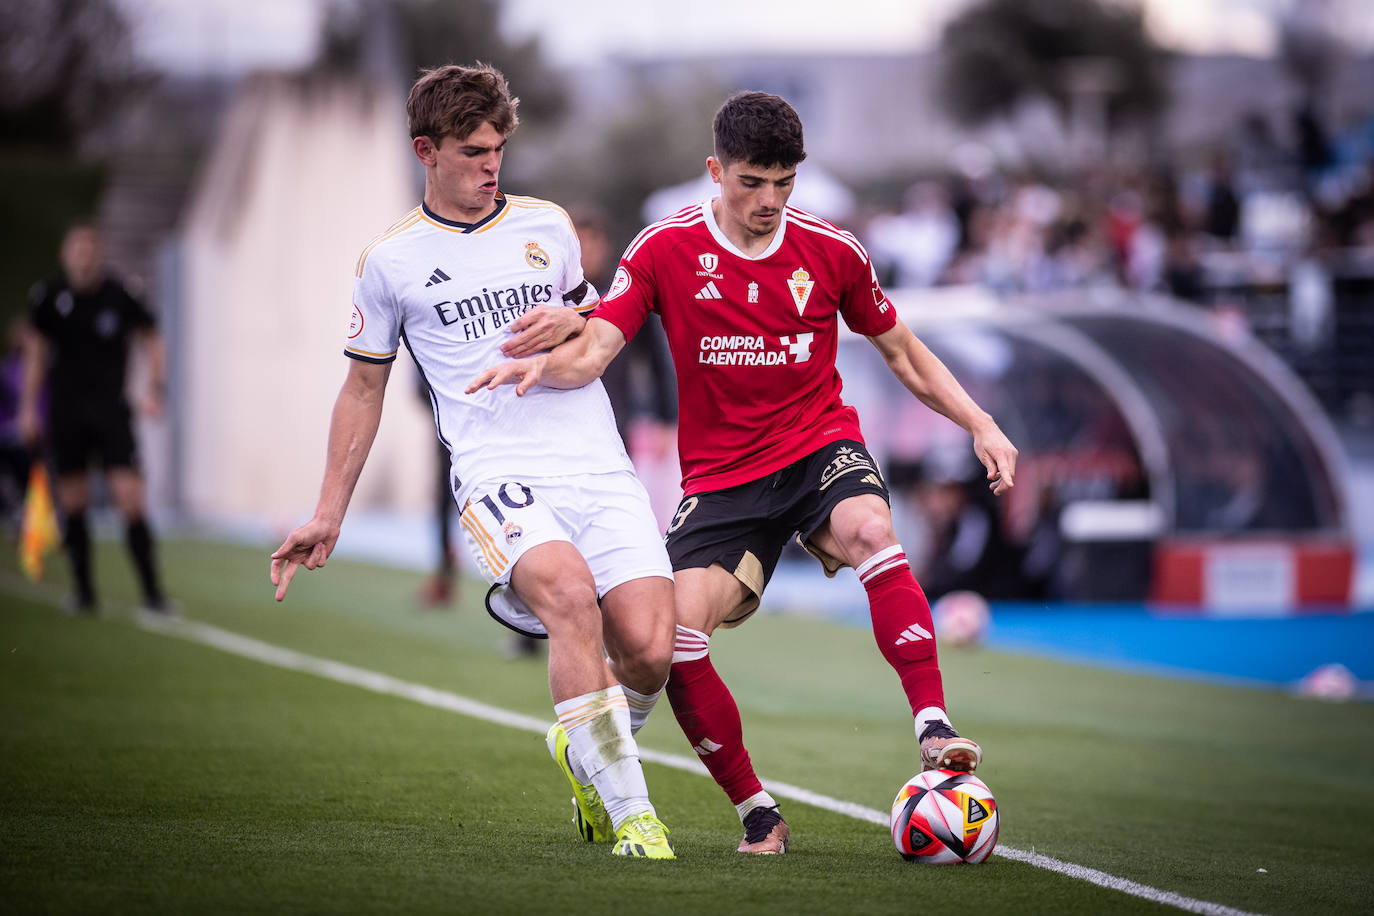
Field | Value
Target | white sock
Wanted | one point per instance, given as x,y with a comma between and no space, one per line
757,800
623,791
930,712
598,727
689,645
641,704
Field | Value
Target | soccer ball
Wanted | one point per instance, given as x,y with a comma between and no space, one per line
1330,682
961,618
942,817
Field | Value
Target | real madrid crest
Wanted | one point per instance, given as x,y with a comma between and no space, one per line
800,285
535,256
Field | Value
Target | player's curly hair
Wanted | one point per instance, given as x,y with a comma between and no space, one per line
454,101
759,128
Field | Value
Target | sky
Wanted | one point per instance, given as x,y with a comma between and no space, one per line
230,36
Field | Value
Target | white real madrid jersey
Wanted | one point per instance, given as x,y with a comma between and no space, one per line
450,291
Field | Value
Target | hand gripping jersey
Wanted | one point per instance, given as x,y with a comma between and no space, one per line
753,339
450,291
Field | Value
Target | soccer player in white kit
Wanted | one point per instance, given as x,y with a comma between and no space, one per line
550,506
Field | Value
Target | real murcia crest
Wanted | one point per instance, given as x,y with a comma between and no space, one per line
800,285
535,256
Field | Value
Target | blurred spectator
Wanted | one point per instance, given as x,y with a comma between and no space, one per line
966,547
1042,557
14,454
1314,153
1222,217
640,380
1262,163
915,246
1182,271
83,322
1272,234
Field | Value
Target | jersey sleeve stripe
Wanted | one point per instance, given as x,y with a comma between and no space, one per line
400,225
804,220
369,357
682,218
535,203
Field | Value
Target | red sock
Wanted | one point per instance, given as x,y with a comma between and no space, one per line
903,627
709,717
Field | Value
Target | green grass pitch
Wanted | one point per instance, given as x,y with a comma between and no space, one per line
144,773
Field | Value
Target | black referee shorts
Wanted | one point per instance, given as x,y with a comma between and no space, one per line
745,528
91,432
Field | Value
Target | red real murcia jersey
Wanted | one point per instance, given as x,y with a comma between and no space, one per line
753,339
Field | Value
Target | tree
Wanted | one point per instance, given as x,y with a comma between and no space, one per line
661,138
64,64
429,33
1000,53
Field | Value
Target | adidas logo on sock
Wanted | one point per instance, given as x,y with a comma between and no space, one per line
709,291
913,633
437,277
706,746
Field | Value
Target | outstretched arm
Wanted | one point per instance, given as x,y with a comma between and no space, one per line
569,365
542,328
357,413
926,377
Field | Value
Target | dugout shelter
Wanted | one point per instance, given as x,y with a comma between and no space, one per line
1178,460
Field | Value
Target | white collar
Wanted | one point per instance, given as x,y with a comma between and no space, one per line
719,235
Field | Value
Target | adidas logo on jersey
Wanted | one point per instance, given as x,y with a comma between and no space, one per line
706,746
437,277
709,291
913,633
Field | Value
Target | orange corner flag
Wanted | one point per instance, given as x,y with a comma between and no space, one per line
38,533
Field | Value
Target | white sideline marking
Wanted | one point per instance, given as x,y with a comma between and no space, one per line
442,699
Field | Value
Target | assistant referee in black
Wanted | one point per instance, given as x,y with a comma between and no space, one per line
82,324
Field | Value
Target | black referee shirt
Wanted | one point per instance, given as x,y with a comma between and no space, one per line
89,335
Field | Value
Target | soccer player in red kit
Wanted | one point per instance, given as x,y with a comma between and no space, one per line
749,290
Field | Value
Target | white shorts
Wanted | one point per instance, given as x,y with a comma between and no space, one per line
607,517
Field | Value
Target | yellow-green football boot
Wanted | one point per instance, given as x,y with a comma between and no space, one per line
643,837
593,823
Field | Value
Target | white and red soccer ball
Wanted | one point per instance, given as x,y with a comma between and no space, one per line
1330,682
962,618
942,817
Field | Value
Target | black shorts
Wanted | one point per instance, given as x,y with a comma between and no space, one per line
745,528
88,432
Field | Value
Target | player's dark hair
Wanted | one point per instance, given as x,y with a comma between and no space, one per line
759,128
454,101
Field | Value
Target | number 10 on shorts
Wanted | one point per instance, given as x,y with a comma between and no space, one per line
494,537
